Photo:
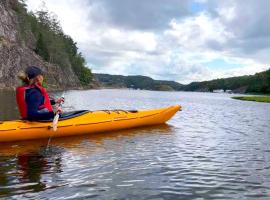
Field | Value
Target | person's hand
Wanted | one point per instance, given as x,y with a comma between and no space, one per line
60,100
59,110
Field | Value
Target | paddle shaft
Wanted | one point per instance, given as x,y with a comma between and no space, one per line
55,121
56,118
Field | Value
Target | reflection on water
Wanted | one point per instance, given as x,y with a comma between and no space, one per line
216,148
8,109
24,172
24,165
73,142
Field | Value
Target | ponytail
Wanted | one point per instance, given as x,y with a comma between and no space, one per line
24,78
29,76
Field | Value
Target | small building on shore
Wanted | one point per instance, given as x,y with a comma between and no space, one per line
218,91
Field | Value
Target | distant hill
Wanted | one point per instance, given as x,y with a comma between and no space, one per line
258,83
136,82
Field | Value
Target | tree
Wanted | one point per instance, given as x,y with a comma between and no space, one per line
41,48
51,43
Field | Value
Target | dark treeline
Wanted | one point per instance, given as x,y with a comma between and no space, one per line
258,83
50,42
136,82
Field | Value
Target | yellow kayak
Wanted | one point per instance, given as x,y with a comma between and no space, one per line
84,122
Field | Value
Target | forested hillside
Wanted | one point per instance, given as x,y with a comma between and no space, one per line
258,83
28,38
136,82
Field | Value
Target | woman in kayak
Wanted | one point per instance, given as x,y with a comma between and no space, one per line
33,99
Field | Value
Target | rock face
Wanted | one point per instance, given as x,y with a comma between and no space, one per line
16,54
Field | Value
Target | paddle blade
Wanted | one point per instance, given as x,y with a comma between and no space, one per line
55,121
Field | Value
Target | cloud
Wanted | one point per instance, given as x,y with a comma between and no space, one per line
199,31
139,15
178,40
247,22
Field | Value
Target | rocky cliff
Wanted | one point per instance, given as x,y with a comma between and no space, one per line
17,53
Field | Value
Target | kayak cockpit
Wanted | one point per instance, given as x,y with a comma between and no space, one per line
77,113
68,115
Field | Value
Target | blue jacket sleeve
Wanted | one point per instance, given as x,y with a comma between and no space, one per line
33,100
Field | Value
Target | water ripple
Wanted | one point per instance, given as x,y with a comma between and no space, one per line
216,148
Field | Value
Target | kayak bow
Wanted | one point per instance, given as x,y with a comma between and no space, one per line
84,122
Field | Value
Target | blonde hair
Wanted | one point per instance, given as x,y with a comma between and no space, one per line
24,78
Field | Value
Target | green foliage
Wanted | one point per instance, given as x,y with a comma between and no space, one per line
51,43
84,74
265,99
136,82
19,7
258,83
45,84
41,48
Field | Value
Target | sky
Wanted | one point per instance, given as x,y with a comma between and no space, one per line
180,40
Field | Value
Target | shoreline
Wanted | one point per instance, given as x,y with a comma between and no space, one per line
261,99
95,87
53,89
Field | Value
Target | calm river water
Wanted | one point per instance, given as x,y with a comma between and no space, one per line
216,148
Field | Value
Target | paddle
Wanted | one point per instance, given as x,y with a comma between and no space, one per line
56,117
55,121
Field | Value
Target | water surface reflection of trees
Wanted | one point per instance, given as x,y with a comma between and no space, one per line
26,173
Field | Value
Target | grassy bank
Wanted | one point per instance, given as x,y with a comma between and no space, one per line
265,99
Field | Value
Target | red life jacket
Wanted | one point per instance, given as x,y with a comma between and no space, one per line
21,101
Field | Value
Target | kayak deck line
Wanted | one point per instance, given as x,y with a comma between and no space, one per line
84,122
107,111
93,123
33,127
61,126
149,115
116,111
14,129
